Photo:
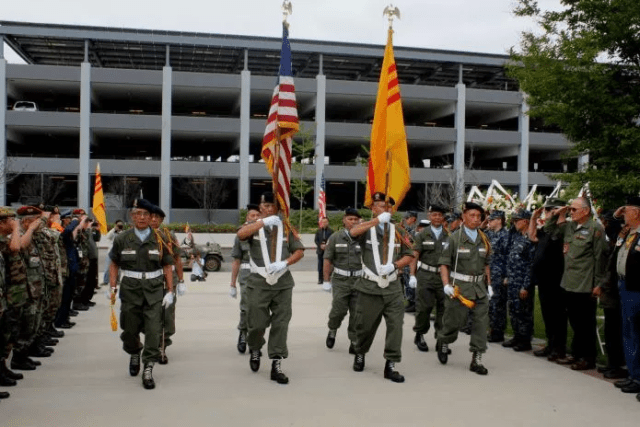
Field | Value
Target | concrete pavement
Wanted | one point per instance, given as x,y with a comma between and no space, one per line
207,383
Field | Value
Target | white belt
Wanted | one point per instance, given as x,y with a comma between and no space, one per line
347,273
141,275
429,268
245,266
382,282
271,279
466,278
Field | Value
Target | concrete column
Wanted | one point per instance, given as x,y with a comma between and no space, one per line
165,156
3,132
321,98
244,191
84,179
523,156
460,123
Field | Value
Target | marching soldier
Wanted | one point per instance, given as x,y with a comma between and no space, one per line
171,245
341,269
427,249
465,264
270,285
140,257
379,289
240,269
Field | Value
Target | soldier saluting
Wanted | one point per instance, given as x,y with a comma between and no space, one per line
139,256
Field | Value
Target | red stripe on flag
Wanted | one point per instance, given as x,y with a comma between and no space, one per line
372,179
393,98
393,83
392,68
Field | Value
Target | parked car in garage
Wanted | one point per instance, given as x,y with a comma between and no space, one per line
25,106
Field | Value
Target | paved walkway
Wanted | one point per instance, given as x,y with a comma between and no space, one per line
207,383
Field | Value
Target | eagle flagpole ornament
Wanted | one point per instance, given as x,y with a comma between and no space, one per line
391,11
287,10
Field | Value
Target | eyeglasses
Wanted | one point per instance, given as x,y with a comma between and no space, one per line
575,209
142,213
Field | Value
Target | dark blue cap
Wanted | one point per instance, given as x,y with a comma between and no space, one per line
521,214
496,214
352,212
143,204
157,211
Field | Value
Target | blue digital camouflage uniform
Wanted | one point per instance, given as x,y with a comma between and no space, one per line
519,262
498,304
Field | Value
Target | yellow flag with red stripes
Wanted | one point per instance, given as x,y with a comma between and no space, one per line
388,157
98,209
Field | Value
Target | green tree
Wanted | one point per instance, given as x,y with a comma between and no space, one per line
581,72
303,147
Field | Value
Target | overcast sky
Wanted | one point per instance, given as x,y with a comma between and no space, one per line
486,26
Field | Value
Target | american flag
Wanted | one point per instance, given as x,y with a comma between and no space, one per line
282,125
322,200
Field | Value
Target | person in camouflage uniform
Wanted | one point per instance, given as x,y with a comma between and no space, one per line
9,293
520,291
342,257
84,291
45,242
32,313
240,269
425,276
61,271
171,245
499,239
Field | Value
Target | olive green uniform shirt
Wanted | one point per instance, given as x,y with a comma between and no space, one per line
344,253
400,250
255,252
585,253
129,253
429,248
472,258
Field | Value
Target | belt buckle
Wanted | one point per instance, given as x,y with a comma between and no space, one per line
144,276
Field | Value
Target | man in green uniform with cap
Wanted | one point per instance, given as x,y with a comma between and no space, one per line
270,285
585,251
465,264
171,245
240,270
341,269
140,257
427,249
380,292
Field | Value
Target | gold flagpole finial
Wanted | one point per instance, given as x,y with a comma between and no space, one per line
391,11
287,10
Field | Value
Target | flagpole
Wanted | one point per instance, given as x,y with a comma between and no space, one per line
276,185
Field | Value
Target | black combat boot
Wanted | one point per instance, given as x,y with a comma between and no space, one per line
522,346
242,342
331,338
147,376
5,381
476,364
134,364
420,342
4,395
510,343
443,352
391,374
53,332
276,372
9,373
358,362
254,360
20,362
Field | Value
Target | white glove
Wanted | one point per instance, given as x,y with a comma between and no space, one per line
272,220
326,286
448,291
233,292
387,269
182,289
413,282
490,291
167,300
384,217
276,267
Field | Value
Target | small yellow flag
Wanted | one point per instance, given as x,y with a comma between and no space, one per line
98,203
388,157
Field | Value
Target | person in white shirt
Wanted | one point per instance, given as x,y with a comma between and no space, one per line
196,264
